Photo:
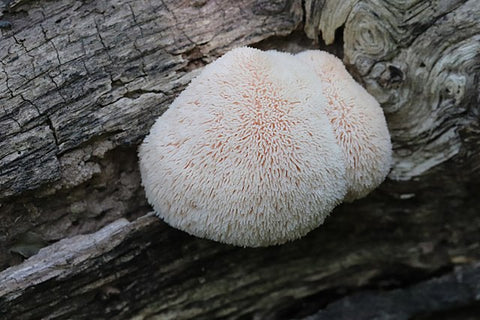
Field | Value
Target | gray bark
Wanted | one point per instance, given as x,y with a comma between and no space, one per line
81,82
80,85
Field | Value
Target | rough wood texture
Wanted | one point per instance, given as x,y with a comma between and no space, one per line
420,59
146,269
79,79
81,83
426,300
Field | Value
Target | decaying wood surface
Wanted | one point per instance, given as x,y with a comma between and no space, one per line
80,85
81,82
142,268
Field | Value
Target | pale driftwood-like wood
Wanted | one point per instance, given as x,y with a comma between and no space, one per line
421,60
80,84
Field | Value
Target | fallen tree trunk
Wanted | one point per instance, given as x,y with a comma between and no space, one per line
144,269
82,82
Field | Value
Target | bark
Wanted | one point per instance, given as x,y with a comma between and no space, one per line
81,82
80,85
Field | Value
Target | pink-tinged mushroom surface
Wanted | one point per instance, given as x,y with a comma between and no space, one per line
246,154
358,122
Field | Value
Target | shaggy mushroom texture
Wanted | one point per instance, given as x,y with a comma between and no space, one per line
245,155
358,122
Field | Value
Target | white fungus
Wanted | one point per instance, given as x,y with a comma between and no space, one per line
245,155
261,146
358,123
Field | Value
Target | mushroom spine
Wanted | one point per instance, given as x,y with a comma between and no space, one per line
254,153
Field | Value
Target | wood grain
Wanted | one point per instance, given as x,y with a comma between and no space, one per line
82,81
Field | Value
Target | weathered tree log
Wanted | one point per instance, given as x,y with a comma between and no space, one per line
142,268
81,82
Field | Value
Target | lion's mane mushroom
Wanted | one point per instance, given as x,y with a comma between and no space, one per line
358,122
244,155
